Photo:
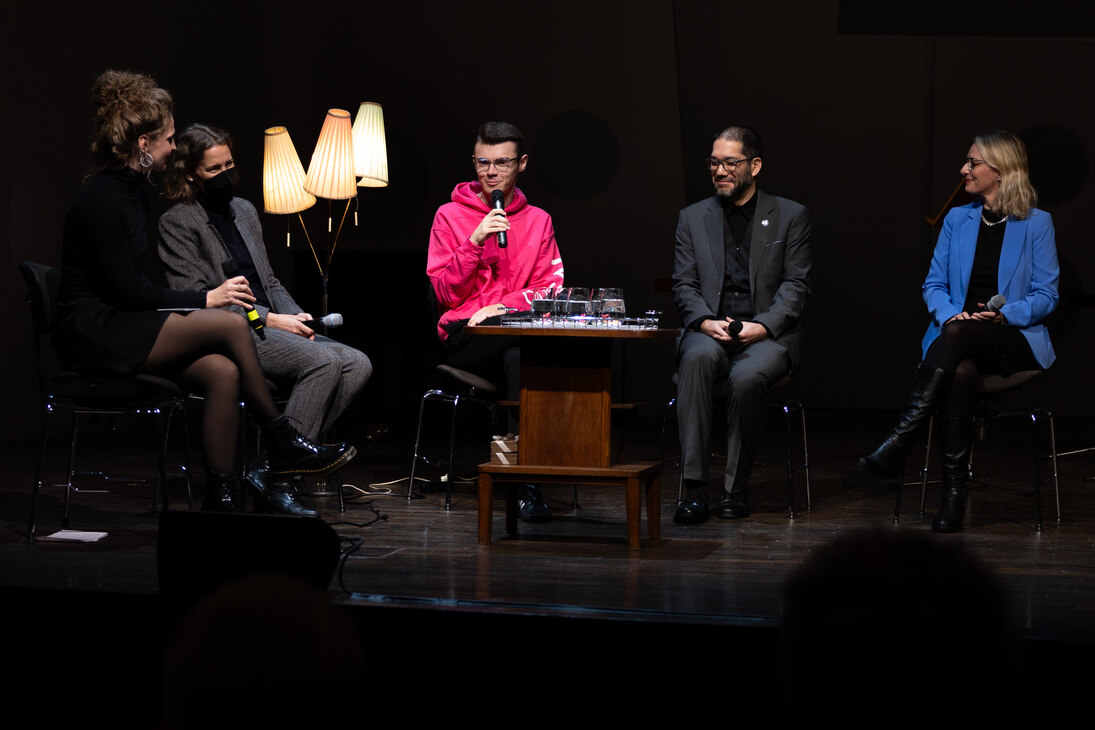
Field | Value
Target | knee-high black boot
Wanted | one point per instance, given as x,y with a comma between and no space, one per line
291,454
888,460
220,492
955,441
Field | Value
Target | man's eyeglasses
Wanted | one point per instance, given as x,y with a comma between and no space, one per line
714,163
501,164
974,162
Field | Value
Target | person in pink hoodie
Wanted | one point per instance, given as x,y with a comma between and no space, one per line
485,260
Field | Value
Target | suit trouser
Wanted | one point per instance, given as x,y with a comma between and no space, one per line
326,376
749,372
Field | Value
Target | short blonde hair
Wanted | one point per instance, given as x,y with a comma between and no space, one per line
1007,154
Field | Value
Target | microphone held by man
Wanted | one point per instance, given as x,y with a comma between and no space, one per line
498,202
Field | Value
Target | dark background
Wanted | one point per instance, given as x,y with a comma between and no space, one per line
866,112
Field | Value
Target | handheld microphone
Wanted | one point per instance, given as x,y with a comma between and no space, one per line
996,303
734,328
331,320
230,269
498,201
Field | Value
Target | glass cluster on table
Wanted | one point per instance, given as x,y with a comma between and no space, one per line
579,307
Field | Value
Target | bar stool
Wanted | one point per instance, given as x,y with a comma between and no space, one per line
989,387
789,406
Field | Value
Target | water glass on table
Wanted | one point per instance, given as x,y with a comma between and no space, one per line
612,304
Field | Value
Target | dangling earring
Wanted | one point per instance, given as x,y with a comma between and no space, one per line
145,160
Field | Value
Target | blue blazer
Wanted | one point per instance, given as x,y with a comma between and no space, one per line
1028,274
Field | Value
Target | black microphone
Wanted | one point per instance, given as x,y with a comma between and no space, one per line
996,303
331,320
734,328
230,269
498,200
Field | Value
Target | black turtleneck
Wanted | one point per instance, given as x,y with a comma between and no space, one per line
985,275
224,221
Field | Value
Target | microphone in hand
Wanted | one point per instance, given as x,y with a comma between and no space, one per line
995,303
498,202
734,328
230,269
331,320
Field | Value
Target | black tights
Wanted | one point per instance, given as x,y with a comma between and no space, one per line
964,350
211,350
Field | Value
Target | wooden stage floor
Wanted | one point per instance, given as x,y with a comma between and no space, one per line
562,611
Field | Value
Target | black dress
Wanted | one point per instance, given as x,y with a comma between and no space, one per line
108,306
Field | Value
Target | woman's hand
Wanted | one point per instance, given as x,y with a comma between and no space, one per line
291,323
492,223
234,291
993,317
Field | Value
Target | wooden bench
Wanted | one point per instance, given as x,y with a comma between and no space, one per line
635,478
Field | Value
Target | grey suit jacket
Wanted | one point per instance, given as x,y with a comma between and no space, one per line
192,253
779,266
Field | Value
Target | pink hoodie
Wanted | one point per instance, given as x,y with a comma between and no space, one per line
467,277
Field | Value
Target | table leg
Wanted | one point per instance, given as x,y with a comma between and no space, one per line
654,506
486,493
633,507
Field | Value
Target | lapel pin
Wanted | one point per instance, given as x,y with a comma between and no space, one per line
764,222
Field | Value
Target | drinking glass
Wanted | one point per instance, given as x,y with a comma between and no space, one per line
543,306
578,301
612,303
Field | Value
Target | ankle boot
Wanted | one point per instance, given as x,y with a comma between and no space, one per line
291,454
955,441
258,481
282,500
888,460
220,492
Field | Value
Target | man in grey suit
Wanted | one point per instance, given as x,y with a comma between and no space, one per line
210,228
740,281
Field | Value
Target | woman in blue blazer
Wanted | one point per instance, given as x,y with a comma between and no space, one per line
991,284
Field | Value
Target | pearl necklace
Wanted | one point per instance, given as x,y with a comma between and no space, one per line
989,223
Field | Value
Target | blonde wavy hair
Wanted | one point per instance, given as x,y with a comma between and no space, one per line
1007,154
127,106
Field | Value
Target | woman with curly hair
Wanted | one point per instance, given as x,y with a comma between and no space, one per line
115,320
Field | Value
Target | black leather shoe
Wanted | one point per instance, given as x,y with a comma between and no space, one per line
282,500
533,507
220,492
694,508
292,454
257,477
733,506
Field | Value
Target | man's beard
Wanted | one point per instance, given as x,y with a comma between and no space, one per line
741,187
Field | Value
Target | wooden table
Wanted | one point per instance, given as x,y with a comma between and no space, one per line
566,421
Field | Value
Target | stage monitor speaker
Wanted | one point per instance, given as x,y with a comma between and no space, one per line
200,551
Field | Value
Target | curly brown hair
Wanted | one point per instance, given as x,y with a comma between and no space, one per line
127,106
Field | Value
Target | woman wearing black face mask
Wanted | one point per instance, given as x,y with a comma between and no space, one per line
210,231
115,320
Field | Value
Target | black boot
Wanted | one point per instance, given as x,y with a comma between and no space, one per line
888,460
293,455
955,441
220,492
275,497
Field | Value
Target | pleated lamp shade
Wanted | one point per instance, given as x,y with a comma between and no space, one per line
331,170
370,150
283,175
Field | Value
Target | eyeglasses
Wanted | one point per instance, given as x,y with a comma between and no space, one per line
714,163
501,164
974,162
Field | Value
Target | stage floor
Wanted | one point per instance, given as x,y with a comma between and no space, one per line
412,567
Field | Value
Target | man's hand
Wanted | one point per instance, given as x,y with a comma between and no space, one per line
492,223
493,310
720,330
291,323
